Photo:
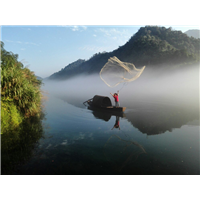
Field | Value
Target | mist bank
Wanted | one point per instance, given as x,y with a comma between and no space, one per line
164,86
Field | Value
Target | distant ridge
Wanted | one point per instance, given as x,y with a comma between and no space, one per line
151,46
63,73
39,78
193,33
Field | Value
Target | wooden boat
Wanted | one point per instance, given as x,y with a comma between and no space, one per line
103,103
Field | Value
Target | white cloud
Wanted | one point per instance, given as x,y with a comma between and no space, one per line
32,43
19,42
74,27
84,27
26,29
115,33
9,41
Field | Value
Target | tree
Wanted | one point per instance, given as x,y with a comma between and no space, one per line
19,84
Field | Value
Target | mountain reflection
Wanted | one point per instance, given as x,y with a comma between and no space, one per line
150,118
153,119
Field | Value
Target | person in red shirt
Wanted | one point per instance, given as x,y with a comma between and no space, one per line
116,97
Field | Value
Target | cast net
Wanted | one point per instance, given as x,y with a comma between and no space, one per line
115,72
121,152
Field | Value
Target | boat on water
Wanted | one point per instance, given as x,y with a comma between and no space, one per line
103,103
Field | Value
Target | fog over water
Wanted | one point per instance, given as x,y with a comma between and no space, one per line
177,87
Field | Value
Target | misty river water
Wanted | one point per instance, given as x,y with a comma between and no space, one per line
155,136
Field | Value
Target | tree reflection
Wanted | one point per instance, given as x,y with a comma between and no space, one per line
17,146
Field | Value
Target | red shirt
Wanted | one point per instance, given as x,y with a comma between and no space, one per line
116,98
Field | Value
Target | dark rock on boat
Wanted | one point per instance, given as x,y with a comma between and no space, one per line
103,103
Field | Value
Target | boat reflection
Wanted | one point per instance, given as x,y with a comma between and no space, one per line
106,115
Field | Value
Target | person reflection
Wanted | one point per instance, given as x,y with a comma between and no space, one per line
116,123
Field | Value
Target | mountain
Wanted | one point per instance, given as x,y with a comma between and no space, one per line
72,68
193,33
39,78
151,46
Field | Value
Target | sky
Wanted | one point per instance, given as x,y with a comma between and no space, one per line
47,49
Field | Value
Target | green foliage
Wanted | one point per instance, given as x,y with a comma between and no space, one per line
153,45
10,116
19,84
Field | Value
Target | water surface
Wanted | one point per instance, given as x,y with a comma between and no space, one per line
152,138
157,134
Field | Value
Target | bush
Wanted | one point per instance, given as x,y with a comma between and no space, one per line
10,116
20,91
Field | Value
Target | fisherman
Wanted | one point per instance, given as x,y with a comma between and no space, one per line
116,97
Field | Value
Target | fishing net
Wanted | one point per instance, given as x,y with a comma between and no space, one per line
121,152
115,72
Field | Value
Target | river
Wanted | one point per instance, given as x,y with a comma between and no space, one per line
153,138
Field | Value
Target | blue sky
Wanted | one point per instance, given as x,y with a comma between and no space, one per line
48,49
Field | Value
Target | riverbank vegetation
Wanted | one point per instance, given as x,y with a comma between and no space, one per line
20,92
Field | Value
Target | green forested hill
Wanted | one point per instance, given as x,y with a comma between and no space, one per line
151,46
